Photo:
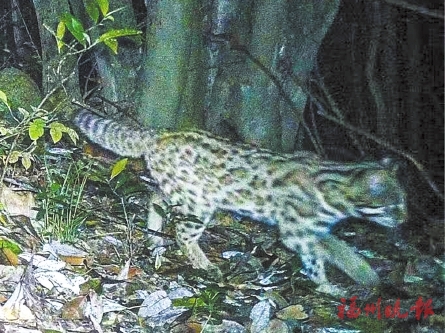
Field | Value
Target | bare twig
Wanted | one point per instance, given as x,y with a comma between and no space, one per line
416,8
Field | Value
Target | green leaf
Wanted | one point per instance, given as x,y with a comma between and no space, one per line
187,302
55,187
103,6
109,17
14,156
112,44
56,130
115,33
72,134
26,160
10,245
60,33
119,167
159,210
92,10
109,38
3,98
23,112
75,27
36,129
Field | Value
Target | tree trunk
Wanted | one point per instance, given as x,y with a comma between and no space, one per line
260,89
60,75
171,90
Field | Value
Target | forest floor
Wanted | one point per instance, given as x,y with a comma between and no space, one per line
88,266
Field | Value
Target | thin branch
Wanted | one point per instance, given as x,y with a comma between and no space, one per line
392,148
343,123
415,8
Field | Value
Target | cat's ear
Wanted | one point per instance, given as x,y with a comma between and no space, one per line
387,161
392,163
398,167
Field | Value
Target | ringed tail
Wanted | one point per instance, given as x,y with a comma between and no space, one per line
120,139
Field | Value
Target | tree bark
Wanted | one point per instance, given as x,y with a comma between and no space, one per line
171,93
60,75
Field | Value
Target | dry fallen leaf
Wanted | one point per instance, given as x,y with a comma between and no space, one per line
70,254
16,203
292,312
15,308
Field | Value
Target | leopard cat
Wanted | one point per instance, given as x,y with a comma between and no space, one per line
302,194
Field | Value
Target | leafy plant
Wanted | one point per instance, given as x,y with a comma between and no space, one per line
208,303
121,186
4,99
61,199
98,11
18,136
118,167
